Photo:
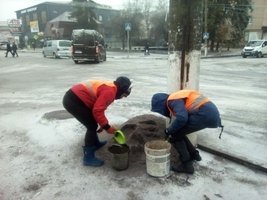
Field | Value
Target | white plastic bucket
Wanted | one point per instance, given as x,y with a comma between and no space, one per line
158,158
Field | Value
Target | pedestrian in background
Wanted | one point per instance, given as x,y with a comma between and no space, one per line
87,102
191,112
8,49
147,49
14,49
33,45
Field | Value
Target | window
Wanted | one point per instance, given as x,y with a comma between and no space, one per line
100,18
43,17
34,16
28,19
49,43
64,43
250,19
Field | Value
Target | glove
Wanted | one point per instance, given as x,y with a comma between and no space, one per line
167,134
166,131
111,130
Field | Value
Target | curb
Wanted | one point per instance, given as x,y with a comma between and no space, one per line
233,158
219,56
162,58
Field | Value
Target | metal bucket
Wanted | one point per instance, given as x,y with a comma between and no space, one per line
120,156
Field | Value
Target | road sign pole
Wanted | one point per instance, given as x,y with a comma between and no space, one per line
128,42
128,29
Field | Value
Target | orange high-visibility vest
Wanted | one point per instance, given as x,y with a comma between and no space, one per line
92,85
193,99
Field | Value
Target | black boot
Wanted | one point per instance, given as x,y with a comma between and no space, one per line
186,165
192,150
195,156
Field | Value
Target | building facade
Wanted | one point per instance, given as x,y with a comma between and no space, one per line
52,20
34,19
257,27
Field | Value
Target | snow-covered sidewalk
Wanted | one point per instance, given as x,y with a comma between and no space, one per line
41,158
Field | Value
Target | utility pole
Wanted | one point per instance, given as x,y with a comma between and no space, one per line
206,27
185,34
128,28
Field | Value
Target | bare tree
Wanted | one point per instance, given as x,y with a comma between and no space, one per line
82,11
147,14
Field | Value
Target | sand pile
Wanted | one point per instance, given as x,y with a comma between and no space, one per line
142,129
138,131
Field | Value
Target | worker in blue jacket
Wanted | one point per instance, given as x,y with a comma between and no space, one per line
191,112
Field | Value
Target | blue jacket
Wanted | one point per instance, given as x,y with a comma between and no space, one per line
207,116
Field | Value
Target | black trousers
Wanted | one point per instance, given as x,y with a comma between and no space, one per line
7,51
183,132
207,116
83,114
15,53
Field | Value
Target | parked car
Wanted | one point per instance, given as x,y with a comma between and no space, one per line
256,48
57,48
88,45
3,45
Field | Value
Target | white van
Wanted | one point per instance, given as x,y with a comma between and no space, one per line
256,48
57,48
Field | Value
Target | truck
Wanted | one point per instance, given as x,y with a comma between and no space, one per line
88,45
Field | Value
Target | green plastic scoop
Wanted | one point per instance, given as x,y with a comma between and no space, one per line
119,137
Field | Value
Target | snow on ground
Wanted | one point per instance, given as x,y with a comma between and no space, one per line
41,159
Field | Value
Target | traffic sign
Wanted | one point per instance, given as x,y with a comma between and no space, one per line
128,26
206,35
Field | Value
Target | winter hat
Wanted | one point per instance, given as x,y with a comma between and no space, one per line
123,84
159,104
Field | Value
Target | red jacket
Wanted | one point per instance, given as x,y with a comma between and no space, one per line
96,95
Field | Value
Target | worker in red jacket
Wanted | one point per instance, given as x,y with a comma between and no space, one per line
191,111
87,102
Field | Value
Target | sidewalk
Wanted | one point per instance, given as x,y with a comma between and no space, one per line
208,145
208,141
41,159
223,53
